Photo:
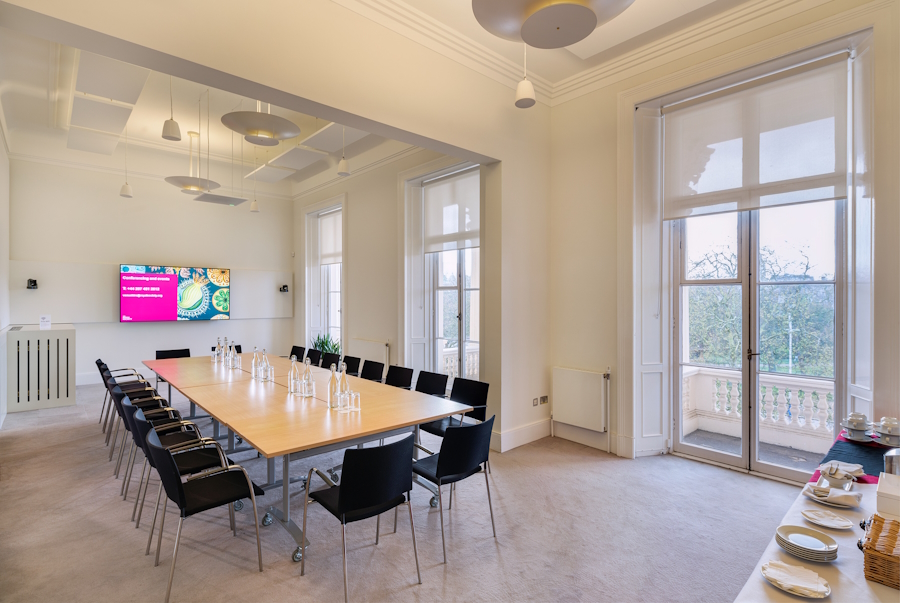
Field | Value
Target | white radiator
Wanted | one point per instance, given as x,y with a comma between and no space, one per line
580,398
370,349
40,367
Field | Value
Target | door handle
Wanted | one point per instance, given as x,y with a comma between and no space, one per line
750,354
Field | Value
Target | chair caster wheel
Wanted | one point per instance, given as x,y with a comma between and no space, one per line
433,502
239,440
297,555
334,476
267,520
238,505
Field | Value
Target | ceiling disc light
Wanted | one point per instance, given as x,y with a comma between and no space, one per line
546,23
171,131
126,191
193,185
263,129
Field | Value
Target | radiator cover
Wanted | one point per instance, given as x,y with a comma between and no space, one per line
40,367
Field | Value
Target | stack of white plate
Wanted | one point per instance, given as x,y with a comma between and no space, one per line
807,544
856,434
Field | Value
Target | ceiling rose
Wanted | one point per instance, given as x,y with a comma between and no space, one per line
546,23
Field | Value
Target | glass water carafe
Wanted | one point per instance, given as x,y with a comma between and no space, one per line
294,377
333,388
344,384
254,364
309,385
264,367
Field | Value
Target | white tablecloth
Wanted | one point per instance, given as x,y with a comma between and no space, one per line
845,574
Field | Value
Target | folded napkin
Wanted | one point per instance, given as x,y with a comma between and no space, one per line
836,496
795,579
849,468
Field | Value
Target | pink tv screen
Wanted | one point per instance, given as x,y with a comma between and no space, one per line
168,293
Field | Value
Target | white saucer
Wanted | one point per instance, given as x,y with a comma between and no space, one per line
847,435
847,426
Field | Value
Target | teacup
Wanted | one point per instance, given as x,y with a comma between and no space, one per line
857,420
890,440
890,425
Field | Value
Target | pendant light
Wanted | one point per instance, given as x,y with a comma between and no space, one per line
343,166
263,129
525,89
190,184
171,131
125,191
546,23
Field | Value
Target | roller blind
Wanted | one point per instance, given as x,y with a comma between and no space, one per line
452,217
779,143
330,238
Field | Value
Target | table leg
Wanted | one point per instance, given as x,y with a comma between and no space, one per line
230,440
270,471
215,429
286,488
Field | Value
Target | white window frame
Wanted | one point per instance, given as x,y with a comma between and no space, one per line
316,284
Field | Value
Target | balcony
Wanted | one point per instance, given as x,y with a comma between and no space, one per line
796,415
450,362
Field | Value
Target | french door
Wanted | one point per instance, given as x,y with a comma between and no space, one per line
457,320
757,309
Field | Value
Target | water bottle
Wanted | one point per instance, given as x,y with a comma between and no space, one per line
345,385
264,367
225,352
309,385
232,355
294,377
218,348
333,389
254,365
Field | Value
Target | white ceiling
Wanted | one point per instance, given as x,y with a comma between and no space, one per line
641,23
47,89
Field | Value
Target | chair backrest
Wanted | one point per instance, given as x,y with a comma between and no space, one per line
374,476
464,448
298,351
473,393
141,428
328,359
237,348
398,376
166,354
373,371
315,356
352,363
166,468
431,383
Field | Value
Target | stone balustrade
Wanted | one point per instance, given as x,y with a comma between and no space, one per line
797,412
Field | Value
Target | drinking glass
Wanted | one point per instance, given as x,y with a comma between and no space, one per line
343,399
237,361
354,401
213,357
271,375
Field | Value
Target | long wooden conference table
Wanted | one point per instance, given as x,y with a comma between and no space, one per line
278,424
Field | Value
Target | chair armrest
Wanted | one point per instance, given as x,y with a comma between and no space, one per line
154,411
124,370
422,448
324,477
177,425
201,443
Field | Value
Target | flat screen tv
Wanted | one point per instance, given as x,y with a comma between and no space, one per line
169,293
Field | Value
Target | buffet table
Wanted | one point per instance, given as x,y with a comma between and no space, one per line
845,575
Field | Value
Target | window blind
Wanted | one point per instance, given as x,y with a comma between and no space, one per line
452,216
330,238
779,143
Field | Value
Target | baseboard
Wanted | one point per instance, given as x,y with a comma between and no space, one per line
519,436
580,435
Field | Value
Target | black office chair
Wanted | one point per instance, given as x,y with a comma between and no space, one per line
431,383
374,480
372,371
352,363
141,398
462,453
315,356
398,376
208,490
465,391
328,359
124,373
129,379
298,351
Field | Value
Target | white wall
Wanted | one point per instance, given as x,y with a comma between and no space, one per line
592,230
70,230
4,271
373,241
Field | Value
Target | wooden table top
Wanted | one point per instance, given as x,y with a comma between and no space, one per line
278,423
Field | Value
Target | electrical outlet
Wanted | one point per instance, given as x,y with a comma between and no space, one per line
535,403
545,399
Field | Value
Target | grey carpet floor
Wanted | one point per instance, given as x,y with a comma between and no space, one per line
573,524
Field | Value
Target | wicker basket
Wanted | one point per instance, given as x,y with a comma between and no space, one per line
881,547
